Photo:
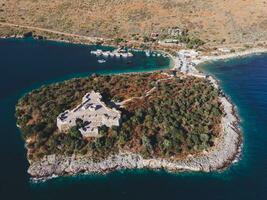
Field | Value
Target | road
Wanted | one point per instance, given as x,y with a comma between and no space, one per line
51,31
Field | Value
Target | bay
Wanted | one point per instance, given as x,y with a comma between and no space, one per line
28,64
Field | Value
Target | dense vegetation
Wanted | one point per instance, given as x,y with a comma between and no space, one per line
180,115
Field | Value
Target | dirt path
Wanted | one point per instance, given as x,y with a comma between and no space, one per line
93,39
236,45
146,94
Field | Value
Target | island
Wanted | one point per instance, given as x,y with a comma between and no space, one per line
97,124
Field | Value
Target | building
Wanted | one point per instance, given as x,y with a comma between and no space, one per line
168,42
93,112
175,31
224,50
188,53
154,36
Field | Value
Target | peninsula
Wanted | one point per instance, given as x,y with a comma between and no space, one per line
160,120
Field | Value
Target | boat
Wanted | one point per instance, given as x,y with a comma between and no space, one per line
129,54
106,53
98,52
124,55
101,61
121,50
116,53
148,53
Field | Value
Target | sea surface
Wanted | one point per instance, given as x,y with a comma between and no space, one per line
28,64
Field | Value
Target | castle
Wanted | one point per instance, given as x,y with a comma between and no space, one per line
92,112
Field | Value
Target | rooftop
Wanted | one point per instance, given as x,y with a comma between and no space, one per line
94,114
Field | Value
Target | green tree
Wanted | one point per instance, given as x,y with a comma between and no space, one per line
118,40
74,132
79,123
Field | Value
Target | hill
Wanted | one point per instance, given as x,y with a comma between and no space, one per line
214,21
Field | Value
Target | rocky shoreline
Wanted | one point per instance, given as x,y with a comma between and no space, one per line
50,38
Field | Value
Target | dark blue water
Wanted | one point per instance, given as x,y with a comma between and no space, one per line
28,64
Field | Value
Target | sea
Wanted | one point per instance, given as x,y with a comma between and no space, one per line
27,64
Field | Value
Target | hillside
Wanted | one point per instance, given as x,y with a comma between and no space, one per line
214,21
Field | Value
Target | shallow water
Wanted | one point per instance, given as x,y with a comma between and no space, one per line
28,64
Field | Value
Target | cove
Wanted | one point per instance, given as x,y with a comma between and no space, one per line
27,64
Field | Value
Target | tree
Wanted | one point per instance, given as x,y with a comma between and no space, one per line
146,143
103,130
204,138
79,123
166,144
118,40
74,132
146,39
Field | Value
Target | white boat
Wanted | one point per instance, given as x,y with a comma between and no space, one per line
101,61
111,54
147,53
98,52
129,54
121,51
117,55
106,53
124,55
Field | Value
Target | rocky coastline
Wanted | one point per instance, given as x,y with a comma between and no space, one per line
55,38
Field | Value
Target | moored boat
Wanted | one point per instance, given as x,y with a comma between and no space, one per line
101,61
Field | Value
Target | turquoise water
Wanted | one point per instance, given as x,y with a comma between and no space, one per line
245,81
27,64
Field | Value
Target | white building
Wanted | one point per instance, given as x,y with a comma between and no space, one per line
168,42
94,114
175,31
224,50
188,53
